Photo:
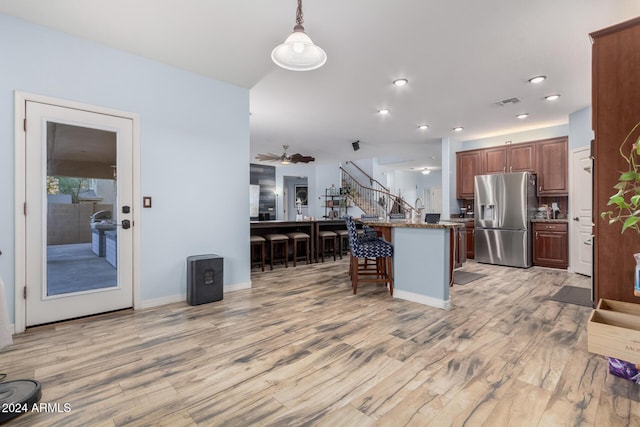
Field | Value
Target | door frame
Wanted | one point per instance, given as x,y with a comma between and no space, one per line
20,101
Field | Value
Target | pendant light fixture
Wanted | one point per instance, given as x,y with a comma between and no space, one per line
298,53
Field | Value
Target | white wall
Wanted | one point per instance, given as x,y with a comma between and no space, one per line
194,150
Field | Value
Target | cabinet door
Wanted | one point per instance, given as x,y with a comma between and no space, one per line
470,240
495,160
550,248
552,167
468,165
521,158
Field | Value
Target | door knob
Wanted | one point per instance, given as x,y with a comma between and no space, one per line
576,218
125,224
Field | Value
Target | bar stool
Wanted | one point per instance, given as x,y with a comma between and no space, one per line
365,249
275,239
324,237
343,242
299,238
258,242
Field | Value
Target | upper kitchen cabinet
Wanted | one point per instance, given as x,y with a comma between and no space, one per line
495,160
521,157
468,165
510,158
552,167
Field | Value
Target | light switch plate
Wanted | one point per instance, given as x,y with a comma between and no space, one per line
146,202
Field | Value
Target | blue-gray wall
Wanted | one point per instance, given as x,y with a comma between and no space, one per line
194,150
580,130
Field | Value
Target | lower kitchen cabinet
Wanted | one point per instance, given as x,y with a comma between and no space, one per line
470,226
460,246
550,245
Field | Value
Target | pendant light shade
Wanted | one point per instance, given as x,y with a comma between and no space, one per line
298,53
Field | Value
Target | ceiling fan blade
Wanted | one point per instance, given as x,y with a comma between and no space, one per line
268,157
299,158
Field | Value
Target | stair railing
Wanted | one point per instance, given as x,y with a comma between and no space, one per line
374,200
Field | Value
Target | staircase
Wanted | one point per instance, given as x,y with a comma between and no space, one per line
373,199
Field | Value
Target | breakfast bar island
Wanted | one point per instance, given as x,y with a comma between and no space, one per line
422,259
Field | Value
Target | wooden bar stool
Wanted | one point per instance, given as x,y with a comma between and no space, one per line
324,237
343,242
278,239
258,242
299,238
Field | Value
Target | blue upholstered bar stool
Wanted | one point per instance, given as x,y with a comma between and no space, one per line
297,238
365,249
274,240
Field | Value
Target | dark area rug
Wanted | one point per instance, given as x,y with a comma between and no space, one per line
573,295
464,277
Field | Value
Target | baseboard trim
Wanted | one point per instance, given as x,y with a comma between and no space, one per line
422,299
183,297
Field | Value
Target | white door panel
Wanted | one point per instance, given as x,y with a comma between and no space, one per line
43,120
581,212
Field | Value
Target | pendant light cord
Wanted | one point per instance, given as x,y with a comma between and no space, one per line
299,15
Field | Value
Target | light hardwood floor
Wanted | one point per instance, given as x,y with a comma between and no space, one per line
299,349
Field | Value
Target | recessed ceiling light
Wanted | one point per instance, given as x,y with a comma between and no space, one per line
458,128
552,97
383,111
522,116
423,127
400,82
537,79
426,171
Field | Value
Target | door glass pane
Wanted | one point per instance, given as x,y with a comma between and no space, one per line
81,209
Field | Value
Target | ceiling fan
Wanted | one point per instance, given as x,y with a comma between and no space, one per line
284,158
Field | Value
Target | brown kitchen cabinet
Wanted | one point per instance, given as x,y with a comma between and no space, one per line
510,158
550,245
615,93
468,165
552,167
470,226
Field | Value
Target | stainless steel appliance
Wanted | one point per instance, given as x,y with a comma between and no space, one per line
504,206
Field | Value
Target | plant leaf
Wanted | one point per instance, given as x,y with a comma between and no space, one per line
618,200
628,176
630,222
634,200
621,185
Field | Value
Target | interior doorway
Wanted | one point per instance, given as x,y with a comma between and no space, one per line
297,201
76,256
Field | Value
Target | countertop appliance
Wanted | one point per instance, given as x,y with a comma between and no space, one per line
504,206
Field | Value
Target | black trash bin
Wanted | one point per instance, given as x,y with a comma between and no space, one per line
204,278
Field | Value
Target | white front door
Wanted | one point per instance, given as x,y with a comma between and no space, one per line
581,216
78,163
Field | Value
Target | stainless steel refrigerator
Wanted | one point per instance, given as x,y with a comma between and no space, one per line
504,206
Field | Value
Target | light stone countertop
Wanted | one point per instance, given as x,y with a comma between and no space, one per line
411,224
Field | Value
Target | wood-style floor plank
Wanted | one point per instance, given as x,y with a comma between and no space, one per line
300,349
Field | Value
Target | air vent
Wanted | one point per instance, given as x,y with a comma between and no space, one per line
508,101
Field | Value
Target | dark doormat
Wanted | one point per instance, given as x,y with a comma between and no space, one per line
573,295
464,277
